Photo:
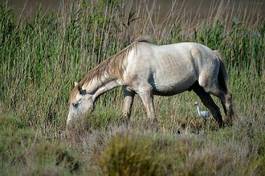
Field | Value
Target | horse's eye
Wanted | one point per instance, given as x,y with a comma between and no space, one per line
75,105
83,92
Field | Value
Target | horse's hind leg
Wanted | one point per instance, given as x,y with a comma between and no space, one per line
217,88
229,105
226,100
209,103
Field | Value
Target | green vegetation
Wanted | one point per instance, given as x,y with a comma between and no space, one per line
41,57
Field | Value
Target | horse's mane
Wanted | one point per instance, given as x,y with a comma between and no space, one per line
145,38
111,65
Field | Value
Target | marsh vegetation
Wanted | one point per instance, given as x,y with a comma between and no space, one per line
41,57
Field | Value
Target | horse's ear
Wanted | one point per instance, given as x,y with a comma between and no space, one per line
76,83
81,91
79,88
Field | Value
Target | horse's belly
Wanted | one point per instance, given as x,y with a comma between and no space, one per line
170,86
173,80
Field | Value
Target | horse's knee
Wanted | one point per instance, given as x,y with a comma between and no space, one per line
203,80
228,97
228,100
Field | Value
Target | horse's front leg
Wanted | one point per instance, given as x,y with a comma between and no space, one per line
127,104
146,96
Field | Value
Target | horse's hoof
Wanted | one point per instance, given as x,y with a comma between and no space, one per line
221,124
152,124
124,121
228,123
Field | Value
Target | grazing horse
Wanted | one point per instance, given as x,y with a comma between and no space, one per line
147,69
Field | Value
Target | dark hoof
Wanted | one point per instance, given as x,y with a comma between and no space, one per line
154,121
229,123
221,124
124,121
152,124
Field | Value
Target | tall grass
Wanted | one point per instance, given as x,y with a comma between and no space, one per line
42,56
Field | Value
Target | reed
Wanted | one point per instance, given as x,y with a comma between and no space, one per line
42,56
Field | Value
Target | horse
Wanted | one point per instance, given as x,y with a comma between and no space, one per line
148,69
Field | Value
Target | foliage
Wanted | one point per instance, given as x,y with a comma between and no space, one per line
42,56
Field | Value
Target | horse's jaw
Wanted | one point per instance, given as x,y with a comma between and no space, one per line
72,118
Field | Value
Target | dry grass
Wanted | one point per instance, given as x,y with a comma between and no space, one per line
40,58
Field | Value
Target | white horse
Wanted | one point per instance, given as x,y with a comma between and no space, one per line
147,69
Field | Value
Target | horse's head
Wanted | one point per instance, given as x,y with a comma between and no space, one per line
80,102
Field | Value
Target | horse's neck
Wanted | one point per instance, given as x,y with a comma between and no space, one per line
100,84
96,82
106,76
104,88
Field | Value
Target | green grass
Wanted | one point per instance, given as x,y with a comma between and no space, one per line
41,57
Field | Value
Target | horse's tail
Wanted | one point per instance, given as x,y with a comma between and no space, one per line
222,75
